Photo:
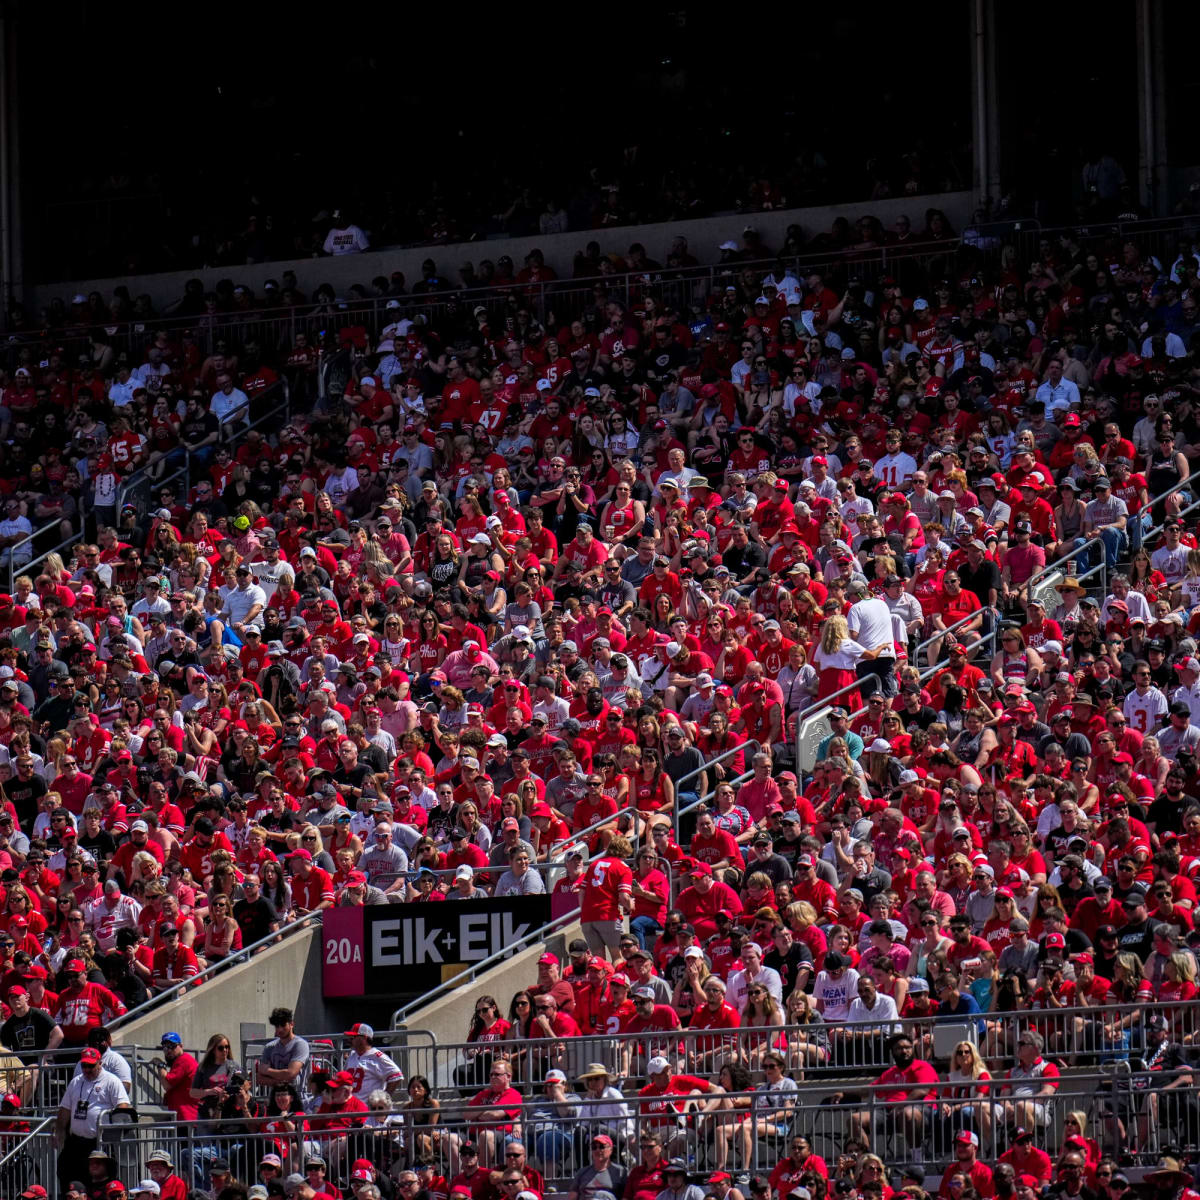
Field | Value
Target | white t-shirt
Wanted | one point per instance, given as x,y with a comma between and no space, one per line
350,240
836,994
870,623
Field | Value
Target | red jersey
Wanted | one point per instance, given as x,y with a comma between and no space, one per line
314,891
606,880
84,1007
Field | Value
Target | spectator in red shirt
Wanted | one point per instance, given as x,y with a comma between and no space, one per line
910,1096
701,902
1027,1159
175,1075
498,1105
966,1163
312,887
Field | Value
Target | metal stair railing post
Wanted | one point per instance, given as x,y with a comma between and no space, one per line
1048,570
582,834
735,782
699,772
32,1159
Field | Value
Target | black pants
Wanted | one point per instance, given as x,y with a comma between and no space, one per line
878,674
73,1160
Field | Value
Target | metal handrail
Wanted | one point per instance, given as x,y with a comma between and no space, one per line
735,782
498,292
581,834
15,569
1006,231
742,748
858,1051
238,956
981,611
32,1135
448,985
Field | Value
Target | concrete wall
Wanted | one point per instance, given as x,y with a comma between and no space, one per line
288,974
704,235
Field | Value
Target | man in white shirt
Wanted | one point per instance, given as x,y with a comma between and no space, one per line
870,622
16,552
121,392
754,972
152,372
896,468
1057,393
244,604
345,238
110,914
1188,691
874,1008
229,403
151,602
373,1070
89,1095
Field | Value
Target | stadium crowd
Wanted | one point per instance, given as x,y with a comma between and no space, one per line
520,594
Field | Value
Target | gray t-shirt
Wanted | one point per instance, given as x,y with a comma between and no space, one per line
530,884
1106,513
529,615
278,1055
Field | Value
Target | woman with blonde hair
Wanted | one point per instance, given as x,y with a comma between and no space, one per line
970,1085
1075,1126
835,657
759,1011
801,918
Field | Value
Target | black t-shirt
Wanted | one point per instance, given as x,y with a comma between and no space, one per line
1136,938
798,958
742,560
980,581
195,427
254,918
25,795
356,777
29,1033
102,847
922,718
1166,815
1071,896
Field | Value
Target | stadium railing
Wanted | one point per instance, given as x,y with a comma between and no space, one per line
46,1074
29,566
1079,1038
550,872
1099,1050
745,1132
